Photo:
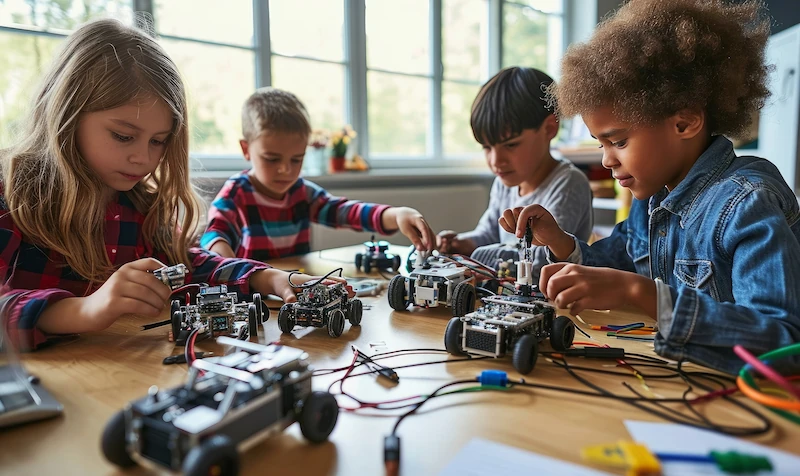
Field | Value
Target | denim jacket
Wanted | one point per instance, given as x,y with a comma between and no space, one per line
726,243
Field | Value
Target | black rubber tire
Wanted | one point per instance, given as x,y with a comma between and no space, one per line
113,442
263,311
335,322
177,319
463,299
367,265
318,416
563,333
252,319
526,351
216,455
355,309
359,260
452,337
286,320
396,293
396,263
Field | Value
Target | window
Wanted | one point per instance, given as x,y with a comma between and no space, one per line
308,56
464,60
215,54
533,34
30,35
398,77
403,76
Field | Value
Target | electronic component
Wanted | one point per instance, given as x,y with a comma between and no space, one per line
217,312
376,256
321,305
433,281
172,276
227,401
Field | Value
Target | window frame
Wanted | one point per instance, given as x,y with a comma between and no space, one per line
355,64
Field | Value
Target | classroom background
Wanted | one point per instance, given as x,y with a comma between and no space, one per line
402,74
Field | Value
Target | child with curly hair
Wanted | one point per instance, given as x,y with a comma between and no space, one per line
96,194
712,242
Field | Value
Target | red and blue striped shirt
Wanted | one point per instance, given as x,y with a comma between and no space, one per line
261,228
36,277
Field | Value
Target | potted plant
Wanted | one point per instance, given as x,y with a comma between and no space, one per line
339,142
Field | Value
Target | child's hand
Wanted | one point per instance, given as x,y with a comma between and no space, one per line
576,287
546,231
132,289
448,242
276,281
412,224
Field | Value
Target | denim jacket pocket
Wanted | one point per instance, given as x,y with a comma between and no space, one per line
697,274
639,251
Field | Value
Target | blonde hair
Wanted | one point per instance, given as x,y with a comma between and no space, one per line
54,196
274,110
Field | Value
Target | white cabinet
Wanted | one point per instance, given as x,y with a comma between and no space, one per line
779,127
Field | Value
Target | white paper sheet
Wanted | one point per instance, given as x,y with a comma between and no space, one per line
673,438
483,457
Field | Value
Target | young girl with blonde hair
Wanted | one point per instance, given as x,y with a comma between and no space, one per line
96,194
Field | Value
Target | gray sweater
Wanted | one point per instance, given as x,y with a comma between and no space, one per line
565,193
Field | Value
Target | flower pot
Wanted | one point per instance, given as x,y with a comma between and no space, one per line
337,164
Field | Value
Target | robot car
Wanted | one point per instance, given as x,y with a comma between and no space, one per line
217,312
376,256
511,324
239,398
433,281
321,305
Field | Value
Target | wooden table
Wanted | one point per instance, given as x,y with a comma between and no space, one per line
97,374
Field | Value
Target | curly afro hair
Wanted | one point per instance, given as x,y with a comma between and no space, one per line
653,58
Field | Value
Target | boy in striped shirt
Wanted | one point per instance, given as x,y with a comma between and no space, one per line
266,212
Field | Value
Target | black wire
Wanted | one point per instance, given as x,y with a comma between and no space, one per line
308,284
583,332
693,379
680,418
419,405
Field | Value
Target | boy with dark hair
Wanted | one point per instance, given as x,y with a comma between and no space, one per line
711,245
515,125
266,212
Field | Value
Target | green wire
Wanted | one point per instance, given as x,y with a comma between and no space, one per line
787,351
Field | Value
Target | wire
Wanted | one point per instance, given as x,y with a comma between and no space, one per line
188,351
418,406
766,371
308,284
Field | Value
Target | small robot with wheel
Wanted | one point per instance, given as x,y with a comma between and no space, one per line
511,324
433,281
321,305
217,312
376,256
237,399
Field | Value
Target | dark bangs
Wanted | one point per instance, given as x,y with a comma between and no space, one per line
513,100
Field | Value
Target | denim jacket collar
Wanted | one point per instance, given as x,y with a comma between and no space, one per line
709,166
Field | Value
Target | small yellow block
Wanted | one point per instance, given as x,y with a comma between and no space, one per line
635,457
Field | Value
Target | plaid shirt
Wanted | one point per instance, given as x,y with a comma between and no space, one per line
35,276
261,228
